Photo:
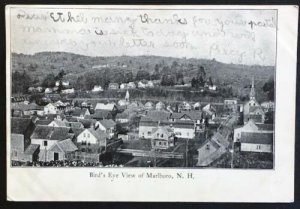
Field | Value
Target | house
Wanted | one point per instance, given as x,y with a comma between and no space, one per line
131,85
157,115
68,91
108,126
48,91
50,109
231,104
122,117
162,138
268,106
160,106
21,129
149,84
256,142
57,123
184,129
92,140
80,113
20,109
251,127
62,150
97,88
47,136
123,102
212,87
142,84
149,106
209,112
113,86
195,116
212,149
197,106
64,83
123,86
102,115
185,106
109,107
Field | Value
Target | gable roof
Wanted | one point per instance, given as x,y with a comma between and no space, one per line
67,145
74,124
43,122
98,134
87,123
265,127
102,106
31,149
107,123
76,131
166,130
220,139
257,138
78,112
158,115
50,133
20,125
122,115
59,123
100,114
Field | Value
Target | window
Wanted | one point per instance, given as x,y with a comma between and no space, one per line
165,143
159,143
83,143
207,147
83,134
162,135
88,135
15,153
258,147
157,134
149,132
187,133
45,143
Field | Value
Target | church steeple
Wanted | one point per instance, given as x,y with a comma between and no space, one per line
127,96
252,91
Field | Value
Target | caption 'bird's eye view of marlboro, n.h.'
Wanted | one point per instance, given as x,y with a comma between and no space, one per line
168,88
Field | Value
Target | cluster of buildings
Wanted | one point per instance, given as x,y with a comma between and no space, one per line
62,130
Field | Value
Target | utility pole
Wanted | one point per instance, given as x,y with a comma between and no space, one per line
186,153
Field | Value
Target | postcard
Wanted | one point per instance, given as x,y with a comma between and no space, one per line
151,103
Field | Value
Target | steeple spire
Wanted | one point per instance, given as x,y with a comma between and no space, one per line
252,91
127,96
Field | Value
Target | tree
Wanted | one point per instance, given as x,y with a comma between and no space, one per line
142,75
168,80
210,81
269,117
128,77
60,75
269,89
20,82
49,81
201,72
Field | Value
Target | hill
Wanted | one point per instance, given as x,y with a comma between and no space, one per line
74,65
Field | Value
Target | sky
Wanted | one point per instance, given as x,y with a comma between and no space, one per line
229,36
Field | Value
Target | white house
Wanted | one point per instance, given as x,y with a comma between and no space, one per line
93,137
46,137
160,106
50,109
108,126
257,142
251,127
48,90
61,150
131,85
162,138
109,106
212,87
68,91
97,88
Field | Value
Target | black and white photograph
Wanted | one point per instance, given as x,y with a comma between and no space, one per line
142,88
174,103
